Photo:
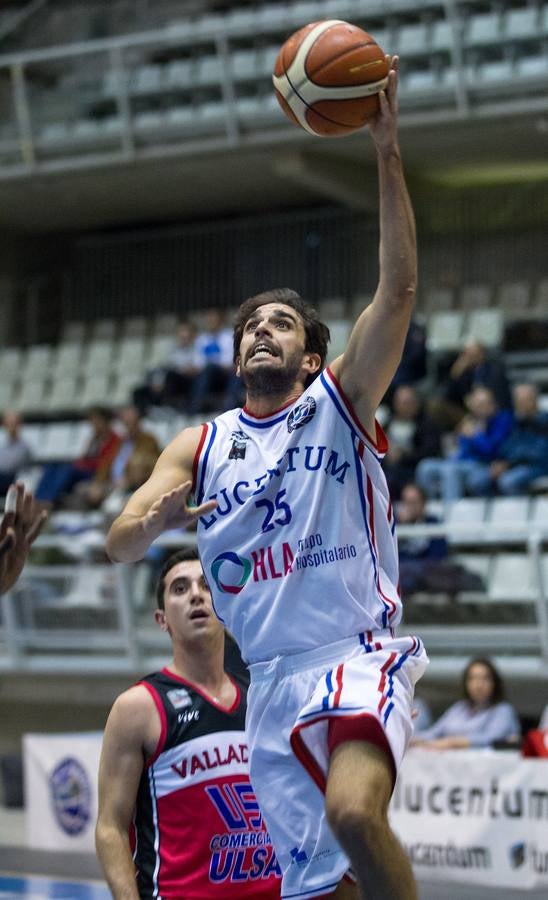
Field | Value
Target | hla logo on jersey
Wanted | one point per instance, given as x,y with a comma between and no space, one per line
237,571
231,571
302,414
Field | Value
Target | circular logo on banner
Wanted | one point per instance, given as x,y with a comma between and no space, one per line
237,570
71,795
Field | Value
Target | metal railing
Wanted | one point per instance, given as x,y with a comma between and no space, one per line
101,619
106,102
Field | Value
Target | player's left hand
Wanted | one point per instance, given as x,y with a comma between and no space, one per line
383,127
21,524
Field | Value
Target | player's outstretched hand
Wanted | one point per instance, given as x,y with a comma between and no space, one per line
171,510
384,127
21,524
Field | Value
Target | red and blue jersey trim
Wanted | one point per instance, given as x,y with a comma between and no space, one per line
377,446
367,504
200,459
386,681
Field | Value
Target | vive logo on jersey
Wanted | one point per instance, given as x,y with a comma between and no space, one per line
302,414
230,572
179,698
239,444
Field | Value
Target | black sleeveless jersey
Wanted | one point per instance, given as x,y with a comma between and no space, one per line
198,832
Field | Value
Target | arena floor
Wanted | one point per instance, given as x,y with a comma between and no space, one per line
14,887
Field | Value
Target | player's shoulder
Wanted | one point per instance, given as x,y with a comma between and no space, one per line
133,707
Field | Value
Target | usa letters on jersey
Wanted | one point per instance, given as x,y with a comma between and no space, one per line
301,549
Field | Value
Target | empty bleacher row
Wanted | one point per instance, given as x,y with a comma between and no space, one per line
210,75
101,363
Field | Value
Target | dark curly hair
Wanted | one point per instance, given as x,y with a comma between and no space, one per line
317,333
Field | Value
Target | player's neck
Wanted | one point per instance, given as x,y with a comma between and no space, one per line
201,664
261,405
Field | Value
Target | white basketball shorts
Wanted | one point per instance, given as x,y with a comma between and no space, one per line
291,702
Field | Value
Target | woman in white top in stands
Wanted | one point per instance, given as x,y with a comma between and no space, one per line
481,719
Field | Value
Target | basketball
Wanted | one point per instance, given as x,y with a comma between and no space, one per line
327,78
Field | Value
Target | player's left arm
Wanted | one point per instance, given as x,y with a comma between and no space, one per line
374,349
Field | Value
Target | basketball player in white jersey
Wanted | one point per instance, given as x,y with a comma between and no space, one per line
296,537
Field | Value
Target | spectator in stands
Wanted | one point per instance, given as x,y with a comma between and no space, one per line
472,368
424,560
481,719
524,454
418,555
60,478
215,360
171,383
481,435
14,452
130,468
412,436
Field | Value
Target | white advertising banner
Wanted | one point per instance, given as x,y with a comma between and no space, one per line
474,817
60,772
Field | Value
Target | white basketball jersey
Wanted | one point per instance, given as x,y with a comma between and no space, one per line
301,550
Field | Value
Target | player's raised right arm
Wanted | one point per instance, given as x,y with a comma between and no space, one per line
160,504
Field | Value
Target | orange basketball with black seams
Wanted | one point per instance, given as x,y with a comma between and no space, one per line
327,77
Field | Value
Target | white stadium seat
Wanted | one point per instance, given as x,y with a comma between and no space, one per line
539,514
74,332
410,39
467,511
103,330
37,361
513,579
63,394
99,356
513,297
96,391
483,29
507,511
31,396
444,331
441,37
8,392
67,359
340,332
475,296
129,355
486,326
521,23
439,299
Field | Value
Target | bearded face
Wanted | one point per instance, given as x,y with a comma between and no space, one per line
272,350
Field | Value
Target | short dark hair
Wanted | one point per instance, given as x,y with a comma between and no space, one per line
498,686
185,554
317,333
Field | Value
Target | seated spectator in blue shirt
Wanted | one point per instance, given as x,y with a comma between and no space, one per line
481,436
472,368
170,384
524,454
217,376
481,719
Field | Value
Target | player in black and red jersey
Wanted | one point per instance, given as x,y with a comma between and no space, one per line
177,814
